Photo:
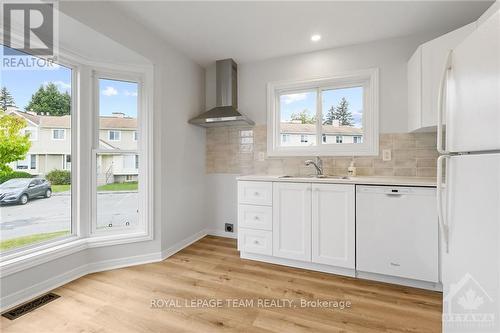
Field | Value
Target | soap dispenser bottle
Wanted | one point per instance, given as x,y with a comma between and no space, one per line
351,170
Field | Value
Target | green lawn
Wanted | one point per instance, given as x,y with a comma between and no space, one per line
60,188
26,240
130,186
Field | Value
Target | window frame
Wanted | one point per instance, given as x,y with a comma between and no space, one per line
115,131
368,79
15,260
19,258
143,149
58,129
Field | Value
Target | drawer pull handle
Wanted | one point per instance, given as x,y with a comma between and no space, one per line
395,264
256,218
256,242
256,194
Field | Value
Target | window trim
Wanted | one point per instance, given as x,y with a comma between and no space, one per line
58,129
368,79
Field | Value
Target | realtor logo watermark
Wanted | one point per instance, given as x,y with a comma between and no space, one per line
468,306
30,36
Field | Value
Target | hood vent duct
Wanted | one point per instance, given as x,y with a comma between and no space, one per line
226,111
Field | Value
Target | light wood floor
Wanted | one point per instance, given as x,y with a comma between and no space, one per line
120,300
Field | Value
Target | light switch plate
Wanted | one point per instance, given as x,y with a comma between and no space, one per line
386,155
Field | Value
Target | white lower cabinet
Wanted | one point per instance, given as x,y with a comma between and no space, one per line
333,225
255,241
292,221
376,232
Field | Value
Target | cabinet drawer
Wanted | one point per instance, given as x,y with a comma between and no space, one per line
255,241
255,217
255,193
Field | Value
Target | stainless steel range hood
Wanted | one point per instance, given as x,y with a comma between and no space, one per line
226,111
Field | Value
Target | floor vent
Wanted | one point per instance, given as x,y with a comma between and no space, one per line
30,306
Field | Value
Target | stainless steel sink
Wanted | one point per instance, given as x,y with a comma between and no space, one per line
319,177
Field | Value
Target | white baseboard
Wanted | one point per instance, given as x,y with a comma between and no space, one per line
221,233
299,264
182,244
24,295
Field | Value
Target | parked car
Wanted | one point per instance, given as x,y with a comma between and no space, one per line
20,190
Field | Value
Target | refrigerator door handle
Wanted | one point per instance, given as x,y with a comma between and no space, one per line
443,225
441,109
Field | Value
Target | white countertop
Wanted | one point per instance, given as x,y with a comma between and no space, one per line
399,181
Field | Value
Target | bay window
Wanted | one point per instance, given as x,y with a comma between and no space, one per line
332,116
118,208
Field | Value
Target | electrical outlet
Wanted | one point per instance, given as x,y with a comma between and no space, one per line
386,155
229,227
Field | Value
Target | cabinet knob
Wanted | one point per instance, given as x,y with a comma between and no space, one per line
256,194
256,217
256,242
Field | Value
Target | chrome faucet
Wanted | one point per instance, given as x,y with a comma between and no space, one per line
318,165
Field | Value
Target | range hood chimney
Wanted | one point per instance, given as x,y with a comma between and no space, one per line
226,111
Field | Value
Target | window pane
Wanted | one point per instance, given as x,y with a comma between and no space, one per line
342,111
298,119
117,114
36,210
117,205
117,191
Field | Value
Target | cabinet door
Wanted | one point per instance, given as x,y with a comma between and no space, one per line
434,54
333,227
414,72
292,221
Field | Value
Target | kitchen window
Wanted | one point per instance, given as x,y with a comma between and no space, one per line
58,134
114,135
334,116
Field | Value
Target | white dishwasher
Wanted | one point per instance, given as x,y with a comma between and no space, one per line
397,232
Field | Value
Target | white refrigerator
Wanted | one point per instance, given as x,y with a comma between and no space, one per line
469,182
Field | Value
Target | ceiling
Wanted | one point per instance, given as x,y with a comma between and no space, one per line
250,31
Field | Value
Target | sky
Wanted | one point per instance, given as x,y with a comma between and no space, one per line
114,96
296,103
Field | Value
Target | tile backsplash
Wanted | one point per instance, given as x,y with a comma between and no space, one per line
242,150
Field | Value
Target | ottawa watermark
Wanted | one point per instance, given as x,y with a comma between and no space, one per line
30,35
468,306
263,303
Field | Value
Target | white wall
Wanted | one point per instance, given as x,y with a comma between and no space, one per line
390,56
179,152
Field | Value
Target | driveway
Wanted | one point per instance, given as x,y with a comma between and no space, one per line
53,214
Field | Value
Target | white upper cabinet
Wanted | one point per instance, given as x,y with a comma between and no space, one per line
333,226
292,221
425,70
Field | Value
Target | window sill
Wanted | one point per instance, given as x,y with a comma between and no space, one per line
22,261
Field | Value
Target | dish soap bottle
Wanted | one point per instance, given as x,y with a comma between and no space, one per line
351,170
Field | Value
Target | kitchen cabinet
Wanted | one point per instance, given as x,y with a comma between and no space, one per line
397,232
381,232
333,225
292,221
425,70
